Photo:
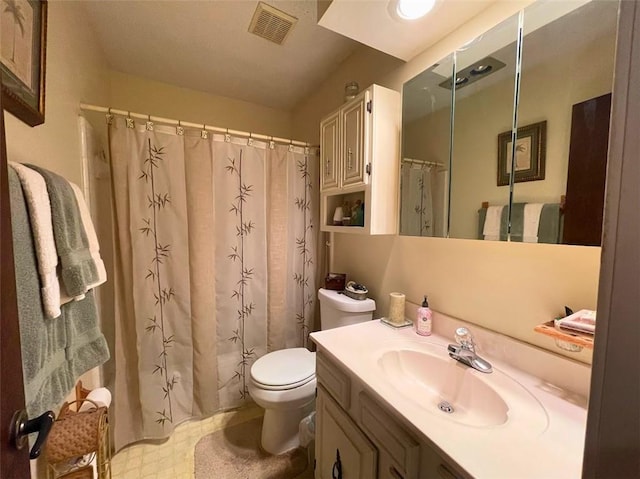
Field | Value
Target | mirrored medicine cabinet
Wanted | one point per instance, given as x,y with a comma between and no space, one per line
506,138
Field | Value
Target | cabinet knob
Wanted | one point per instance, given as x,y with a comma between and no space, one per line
336,472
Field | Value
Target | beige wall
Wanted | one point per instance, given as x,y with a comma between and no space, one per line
364,66
76,72
143,95
507,287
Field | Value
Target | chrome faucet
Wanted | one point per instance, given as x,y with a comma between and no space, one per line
465,351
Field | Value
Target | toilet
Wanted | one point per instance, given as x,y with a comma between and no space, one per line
284,382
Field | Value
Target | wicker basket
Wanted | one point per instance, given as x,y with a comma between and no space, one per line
76,433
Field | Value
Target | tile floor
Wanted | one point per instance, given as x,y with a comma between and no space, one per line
173,459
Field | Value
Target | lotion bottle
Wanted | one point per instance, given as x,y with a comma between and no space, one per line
423,321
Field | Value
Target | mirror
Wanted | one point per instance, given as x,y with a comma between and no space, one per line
568,50
567,76
484,105
424,165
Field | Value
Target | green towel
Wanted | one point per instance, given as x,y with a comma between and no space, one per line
44,366
549,229
86,345
55,352
79,270
517,222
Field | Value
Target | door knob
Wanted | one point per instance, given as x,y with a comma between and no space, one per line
22,426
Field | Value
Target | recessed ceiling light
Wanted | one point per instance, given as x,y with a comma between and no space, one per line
413,9
481,70
461,81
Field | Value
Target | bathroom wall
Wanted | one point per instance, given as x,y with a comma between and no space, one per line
76,71
364,66
143,95
509,288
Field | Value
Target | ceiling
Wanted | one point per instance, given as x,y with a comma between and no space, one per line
206,46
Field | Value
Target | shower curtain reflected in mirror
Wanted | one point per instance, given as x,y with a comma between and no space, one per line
215,265
423,199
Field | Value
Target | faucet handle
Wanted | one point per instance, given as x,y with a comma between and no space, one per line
465,339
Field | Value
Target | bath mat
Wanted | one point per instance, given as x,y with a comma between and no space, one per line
234,453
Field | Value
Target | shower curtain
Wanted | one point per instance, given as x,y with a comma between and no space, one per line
416,215
215,265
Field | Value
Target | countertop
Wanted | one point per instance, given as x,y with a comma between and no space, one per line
522,447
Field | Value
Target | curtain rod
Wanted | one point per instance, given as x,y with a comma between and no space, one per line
186,124
422,162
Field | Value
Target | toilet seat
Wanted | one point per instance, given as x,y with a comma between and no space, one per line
284,369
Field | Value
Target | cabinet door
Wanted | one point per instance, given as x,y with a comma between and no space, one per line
329,152
353,149
342,450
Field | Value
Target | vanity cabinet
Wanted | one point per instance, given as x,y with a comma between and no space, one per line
359,161
343,451
357,435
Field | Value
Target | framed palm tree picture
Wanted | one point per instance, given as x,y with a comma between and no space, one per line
530,154
23,32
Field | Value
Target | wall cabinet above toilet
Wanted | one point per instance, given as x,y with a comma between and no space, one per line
359,158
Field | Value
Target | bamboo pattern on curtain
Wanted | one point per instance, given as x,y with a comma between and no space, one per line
416,215
215,247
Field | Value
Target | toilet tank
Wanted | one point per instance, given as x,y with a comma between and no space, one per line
337,309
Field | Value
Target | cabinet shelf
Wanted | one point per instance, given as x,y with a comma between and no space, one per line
567,340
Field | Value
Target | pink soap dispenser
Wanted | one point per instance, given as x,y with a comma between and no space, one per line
423,321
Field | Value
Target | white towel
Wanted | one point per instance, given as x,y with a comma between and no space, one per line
531,222
92,238
491,229
35,190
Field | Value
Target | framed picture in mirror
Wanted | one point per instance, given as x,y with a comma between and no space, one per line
530,154
23,32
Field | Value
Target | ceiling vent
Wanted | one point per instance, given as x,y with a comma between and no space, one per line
272,24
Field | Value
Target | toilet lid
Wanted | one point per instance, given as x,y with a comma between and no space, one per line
285,368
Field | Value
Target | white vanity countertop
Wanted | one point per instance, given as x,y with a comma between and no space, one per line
510,450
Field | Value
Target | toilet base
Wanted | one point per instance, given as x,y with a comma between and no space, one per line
280,428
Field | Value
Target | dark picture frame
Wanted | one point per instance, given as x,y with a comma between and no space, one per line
530,161
23,46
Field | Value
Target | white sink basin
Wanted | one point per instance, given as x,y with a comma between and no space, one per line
445,387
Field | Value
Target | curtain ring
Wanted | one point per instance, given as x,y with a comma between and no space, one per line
179,129
129,120
149,124
204,134
290,145
272,144
109,116
227,137
250,140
